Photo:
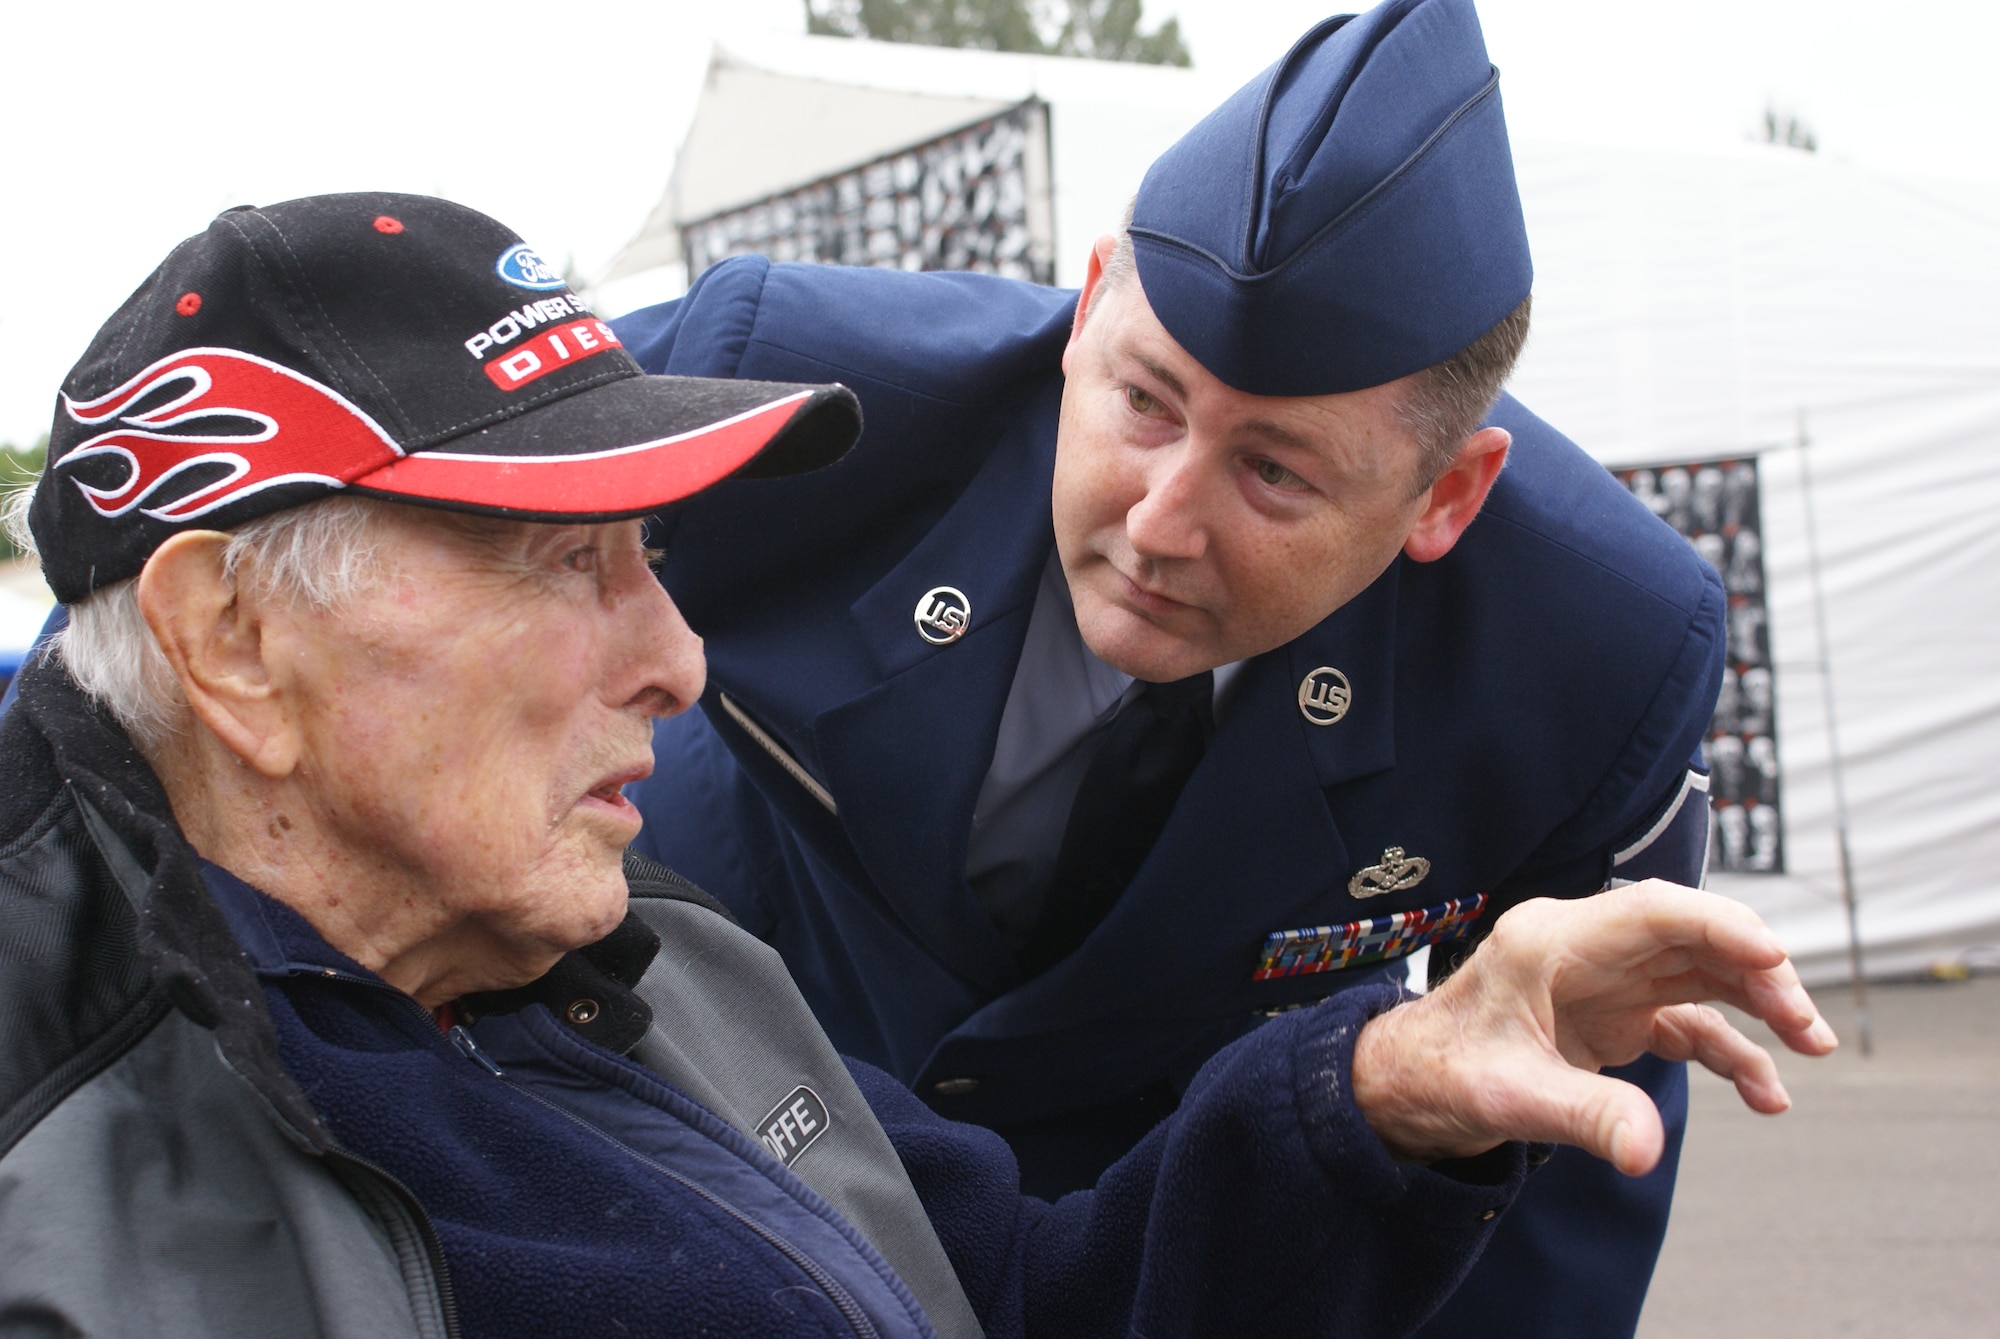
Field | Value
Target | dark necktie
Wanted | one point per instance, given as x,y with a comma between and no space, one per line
1123,804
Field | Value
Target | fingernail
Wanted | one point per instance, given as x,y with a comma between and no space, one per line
1621,1142
1822,1033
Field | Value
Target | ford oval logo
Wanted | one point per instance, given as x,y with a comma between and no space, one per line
521,267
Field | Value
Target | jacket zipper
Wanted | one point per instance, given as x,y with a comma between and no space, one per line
850,1310
426,1230
462,1042
433,1248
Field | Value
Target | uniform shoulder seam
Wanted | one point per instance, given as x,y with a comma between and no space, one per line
847,370
1687,609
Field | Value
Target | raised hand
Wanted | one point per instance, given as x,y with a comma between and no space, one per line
1509,1047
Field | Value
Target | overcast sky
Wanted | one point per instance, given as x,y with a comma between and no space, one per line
127,126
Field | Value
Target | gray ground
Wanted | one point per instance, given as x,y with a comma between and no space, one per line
1871,1208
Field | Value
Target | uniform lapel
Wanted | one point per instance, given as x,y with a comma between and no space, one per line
918,743
1252,845
1359,641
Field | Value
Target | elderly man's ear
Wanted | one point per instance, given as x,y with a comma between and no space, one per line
221,649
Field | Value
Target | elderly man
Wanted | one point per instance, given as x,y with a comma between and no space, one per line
333,1005
1178,652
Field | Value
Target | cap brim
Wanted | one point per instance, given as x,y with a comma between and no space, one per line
627,448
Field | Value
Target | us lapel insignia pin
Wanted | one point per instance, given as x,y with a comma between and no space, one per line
1324,695
1329,948
1396,872
943,615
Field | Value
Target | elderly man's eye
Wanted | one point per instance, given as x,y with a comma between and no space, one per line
1141,402
581,559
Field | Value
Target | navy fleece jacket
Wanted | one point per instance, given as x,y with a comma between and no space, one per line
576,1193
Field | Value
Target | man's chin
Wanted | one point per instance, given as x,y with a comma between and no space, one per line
1133,644
592,916
582,889
613,916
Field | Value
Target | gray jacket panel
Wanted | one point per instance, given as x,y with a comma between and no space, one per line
161,1200
714,987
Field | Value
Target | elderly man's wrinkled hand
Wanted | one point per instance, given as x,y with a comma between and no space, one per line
1509,1047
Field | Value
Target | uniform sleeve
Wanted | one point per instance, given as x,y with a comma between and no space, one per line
704,332
1668,840
1264,1206
1674,844
1574,1256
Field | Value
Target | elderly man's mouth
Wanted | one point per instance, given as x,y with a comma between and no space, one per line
609,794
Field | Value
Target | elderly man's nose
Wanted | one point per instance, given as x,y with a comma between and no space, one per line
687,674
680,666
665,666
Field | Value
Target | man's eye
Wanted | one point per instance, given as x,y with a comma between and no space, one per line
1141,402
581,560
1277,476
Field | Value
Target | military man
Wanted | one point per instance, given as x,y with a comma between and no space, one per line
1177,653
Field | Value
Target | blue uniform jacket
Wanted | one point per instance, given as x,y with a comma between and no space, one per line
1523,714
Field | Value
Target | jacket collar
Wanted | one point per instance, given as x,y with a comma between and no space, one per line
990,547
185,945
1359,641
918,743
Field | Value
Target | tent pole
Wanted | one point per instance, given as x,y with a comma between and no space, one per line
1847,899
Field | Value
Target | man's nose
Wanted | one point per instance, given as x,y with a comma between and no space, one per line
1169,520
667,666
683,669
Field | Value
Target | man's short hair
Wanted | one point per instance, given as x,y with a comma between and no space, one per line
322,554
1447,402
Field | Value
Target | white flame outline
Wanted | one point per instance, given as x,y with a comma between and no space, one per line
161,373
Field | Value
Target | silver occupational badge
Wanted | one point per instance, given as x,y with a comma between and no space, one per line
1396,872
943,615
1324,695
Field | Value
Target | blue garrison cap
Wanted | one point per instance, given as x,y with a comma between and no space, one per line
1346,218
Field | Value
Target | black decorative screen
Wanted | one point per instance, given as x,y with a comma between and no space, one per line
974,199
1715,504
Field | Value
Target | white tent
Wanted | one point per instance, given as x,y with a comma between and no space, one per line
1688,306
1691,306
804,108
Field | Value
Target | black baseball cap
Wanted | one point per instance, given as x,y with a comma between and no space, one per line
394,346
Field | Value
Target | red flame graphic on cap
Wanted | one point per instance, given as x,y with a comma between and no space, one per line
303,433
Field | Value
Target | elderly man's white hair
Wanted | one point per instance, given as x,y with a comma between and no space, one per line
321,554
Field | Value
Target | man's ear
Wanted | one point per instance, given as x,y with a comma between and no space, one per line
1455,499
1093,280
216,644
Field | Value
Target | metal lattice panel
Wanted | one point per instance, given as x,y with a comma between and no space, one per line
975,199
